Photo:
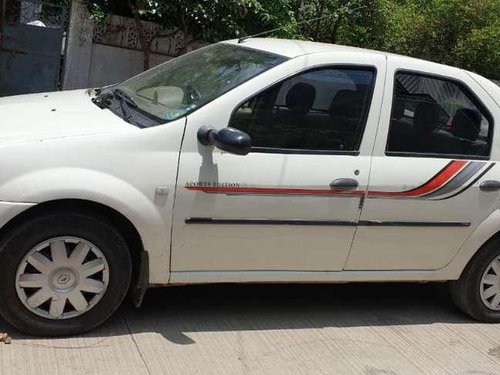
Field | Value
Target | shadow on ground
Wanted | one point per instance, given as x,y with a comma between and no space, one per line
174,312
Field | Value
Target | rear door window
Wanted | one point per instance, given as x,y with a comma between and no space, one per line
437,117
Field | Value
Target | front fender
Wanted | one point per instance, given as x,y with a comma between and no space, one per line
137,204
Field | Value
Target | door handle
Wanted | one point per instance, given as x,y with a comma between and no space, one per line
490,185
344,184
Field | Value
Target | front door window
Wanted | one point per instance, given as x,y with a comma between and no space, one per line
322,110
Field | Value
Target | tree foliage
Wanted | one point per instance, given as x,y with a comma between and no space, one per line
465,33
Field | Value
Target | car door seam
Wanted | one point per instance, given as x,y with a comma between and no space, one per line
172,216
371,156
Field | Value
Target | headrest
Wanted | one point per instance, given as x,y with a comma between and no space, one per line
300,98
466,124
426,116
346,103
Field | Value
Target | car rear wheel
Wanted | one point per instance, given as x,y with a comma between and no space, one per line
477,292
62,274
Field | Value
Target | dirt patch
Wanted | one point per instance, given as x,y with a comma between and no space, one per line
495,352
5,338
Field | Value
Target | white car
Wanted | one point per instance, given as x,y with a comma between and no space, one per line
258,160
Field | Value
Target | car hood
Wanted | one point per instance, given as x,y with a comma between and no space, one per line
36,117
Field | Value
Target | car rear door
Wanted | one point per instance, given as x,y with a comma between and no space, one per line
293,202
432,156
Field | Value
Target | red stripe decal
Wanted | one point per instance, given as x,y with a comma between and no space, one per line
443,176
437,181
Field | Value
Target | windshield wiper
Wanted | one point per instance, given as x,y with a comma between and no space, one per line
126,102
98,91
103,100
118,101
125,97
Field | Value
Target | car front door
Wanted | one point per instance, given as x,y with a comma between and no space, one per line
432,155
293,202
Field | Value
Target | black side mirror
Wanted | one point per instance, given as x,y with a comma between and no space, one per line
228,139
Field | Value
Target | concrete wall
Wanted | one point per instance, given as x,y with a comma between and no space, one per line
110,64
106,53
78,54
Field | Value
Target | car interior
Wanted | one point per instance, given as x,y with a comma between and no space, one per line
436,121
306,113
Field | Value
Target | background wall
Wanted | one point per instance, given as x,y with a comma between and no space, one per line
109,51
110,64
104,53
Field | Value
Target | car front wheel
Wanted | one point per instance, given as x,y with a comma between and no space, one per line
62,274
477,292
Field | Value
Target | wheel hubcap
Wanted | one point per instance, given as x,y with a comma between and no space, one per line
62,278
490,285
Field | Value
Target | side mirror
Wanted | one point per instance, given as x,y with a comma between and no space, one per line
228,139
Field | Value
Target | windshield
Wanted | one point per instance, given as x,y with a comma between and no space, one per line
180,86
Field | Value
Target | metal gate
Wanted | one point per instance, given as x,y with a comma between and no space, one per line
32,44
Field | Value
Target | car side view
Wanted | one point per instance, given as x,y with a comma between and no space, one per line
256,160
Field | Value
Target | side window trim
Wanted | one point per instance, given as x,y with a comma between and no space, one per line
468,92
277,150
296,151
436,156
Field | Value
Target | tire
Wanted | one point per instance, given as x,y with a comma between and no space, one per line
107,249
466,291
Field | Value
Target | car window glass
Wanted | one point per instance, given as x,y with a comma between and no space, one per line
182,85
322,110
438,117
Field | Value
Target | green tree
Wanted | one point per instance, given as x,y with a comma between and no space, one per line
200,20
480,51
464,33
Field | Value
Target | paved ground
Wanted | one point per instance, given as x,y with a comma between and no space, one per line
272,329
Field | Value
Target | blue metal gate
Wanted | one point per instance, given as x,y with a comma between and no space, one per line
32,46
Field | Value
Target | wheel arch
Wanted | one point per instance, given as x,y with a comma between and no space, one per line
487,231
113,217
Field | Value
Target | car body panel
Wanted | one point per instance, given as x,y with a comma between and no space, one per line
296,48
490,87
46,116
419,247
120,170
210,247
61,146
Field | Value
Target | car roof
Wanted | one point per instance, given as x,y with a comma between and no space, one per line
293,48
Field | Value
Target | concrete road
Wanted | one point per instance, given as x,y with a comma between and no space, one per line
272,329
